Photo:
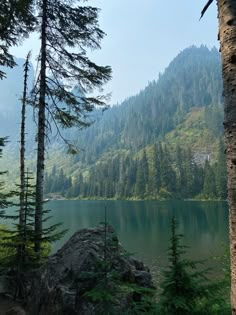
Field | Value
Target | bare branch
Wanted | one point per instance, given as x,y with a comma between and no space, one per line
205,8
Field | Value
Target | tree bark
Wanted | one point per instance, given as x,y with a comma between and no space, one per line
227,33
22,215
41,135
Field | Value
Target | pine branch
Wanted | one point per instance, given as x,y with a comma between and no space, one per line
205,8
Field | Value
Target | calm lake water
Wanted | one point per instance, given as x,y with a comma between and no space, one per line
143,227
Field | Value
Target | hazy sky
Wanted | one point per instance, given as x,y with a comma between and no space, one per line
143,36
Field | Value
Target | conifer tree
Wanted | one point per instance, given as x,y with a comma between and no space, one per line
3,197
167,174
152,173
17,238
22,214
186,289
209,186
17,20
140,183
66,31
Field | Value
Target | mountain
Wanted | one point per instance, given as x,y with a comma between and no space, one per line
163,142
192,80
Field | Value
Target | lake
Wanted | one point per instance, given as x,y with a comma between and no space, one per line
143,227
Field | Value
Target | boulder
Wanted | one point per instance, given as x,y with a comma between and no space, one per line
16,310
90,274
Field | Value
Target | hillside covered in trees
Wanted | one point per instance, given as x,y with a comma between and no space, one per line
165,142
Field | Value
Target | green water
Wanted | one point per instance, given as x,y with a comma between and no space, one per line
143,227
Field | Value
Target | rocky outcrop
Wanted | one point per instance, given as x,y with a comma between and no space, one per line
16,310
90,274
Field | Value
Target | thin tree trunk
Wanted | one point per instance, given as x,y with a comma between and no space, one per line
227,27
41,136
22,222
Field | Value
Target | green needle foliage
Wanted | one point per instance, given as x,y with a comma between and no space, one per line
109,289
67,77
16,240
67,31
185,287
16,22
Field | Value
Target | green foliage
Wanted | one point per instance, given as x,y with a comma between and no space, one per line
209,187
164,194
19,238
181,132
101,294
17,256
17,21
57,182
144,302
70,75
5,251
160,172
186,288
9,245
109,289
184,114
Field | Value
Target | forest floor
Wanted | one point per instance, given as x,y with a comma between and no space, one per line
6,304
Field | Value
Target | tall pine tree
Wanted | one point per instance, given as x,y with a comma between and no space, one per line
66,31
3,196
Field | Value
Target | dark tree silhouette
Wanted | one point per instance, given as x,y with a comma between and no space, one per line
16,22
66,77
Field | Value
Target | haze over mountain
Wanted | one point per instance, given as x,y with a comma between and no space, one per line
192,80
11,90
182,110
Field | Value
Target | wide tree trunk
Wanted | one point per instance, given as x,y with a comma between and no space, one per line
41,135
227,33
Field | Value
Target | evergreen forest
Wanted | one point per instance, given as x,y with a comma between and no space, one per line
61,139
165,142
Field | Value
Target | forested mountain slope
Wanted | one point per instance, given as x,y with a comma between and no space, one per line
163,142
193,79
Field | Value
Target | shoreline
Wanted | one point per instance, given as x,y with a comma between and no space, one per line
133,199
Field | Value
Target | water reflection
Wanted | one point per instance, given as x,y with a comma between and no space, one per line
143,226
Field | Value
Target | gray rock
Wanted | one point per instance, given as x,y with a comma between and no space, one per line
62,285
16,310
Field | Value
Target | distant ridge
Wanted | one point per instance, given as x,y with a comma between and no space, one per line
182,108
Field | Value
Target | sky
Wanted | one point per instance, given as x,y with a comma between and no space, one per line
143,36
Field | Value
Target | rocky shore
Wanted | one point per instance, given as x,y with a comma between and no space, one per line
91,274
